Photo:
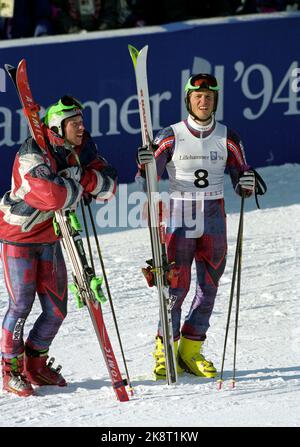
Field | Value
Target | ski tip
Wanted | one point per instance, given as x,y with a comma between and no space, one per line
134,53
9,68
22,65
131,48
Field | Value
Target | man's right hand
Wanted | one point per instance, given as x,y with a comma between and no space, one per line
144,155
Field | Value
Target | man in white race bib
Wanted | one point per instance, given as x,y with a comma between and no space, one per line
196,152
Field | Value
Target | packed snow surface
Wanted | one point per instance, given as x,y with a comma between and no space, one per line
267,391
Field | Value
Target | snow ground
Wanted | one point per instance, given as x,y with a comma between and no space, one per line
267,392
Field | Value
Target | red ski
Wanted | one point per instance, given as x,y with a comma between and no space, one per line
83,274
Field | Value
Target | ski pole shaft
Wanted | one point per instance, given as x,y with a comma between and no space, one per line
234,275
109,294
238,292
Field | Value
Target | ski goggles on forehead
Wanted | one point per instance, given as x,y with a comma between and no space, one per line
68,102
200,81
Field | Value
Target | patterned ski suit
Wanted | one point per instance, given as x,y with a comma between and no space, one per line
195,158
31,253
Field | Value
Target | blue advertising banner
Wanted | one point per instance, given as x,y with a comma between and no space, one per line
255,58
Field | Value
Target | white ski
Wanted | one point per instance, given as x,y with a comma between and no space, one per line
160,265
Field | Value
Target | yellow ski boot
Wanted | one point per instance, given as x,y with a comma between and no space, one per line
160,361
193,361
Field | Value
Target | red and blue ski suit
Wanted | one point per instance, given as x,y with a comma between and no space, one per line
196,159
31,254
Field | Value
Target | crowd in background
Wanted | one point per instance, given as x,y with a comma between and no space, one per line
27,18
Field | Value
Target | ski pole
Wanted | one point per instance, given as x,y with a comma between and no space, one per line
234,275
109,294
238,292
103,271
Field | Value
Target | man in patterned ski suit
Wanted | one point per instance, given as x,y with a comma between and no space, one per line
196,152
31,253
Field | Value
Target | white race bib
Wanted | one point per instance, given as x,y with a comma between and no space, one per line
198,164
